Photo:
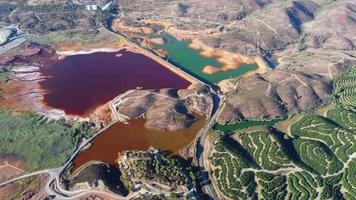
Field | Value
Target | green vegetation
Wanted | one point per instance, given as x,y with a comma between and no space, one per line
230,128
70,36
344,118
317,156
300,167
151,166
345,89
338,139
316,161
349,180
230,161
42,143
272,187
4,75
240,166
331,187
46,18
302,186
265,150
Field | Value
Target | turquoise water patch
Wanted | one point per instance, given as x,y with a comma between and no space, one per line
192,62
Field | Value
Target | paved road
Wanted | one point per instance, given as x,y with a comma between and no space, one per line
53,186
201,140
200,148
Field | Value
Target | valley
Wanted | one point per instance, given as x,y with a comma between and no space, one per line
177,100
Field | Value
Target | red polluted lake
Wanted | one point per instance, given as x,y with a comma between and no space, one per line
80,83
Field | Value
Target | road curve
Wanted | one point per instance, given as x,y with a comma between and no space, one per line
53,186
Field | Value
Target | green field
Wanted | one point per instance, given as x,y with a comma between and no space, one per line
41,142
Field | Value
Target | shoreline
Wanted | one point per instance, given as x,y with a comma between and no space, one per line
88,51
135,49
172,68
229,61
183,34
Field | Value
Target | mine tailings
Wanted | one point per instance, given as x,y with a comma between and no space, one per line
134,136
80,83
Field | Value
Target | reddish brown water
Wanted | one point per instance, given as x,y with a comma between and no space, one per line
80,83
134,136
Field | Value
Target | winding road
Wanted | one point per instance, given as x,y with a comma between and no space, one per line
53,186
204,174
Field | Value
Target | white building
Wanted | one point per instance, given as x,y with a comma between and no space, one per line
92,7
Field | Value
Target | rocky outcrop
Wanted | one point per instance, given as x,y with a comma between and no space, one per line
167,109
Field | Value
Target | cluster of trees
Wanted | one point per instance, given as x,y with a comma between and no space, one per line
4,74
267,152
343,117
313,155
317,156
349,181
331,187
45,18
173,171
319,145
336,137
302,186
147,167
272,186
229,167
46,8
345,92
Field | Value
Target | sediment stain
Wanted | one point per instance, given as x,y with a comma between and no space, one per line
80,83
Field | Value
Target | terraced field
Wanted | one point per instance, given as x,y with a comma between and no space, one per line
317,160
266,165
345,89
